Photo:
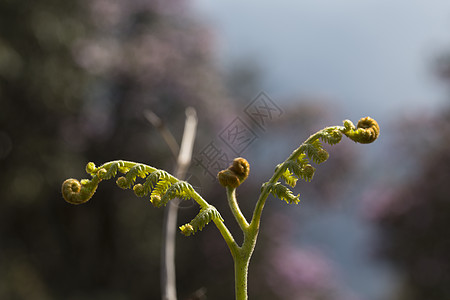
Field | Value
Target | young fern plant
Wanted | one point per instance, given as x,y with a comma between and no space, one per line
161,187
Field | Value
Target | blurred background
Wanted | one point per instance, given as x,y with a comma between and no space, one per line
76,77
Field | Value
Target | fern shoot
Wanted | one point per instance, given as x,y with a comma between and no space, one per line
161,187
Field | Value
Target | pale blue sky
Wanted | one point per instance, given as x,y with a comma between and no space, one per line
368,56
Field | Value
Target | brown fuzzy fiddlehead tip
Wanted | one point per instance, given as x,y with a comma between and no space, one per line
235,174
365,132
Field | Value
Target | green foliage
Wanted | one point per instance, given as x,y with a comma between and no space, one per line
298,165
331,135
151,181
289,178
67,97
180,189
163,187
205,216
128,181
282,192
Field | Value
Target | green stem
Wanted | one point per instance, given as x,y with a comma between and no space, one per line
227,236
240,218
241,263
241,255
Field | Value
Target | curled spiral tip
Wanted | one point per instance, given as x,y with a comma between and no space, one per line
236,174
228,178
308,172
122,182
241,167
91,168
322,155
366,131
75,192
139,190
102,173
155,200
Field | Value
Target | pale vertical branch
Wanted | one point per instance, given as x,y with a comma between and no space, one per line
171,212
164,131
184,155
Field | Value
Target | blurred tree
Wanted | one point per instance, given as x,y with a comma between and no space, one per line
75,77
413,214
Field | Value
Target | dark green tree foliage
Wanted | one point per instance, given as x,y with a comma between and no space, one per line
75,77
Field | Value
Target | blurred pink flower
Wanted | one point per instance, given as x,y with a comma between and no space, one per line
298,270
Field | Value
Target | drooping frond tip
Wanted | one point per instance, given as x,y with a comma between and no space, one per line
298,166
235,174
158,184
76,192
79,192
206,215
366,131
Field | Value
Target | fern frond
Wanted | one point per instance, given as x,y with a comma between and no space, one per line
107,173
303,171
127,181
314,150
180,189
302,160
308,173
160,189
282,192
298,163
138,170
150,182
294,167
331,135
157,183
206,215
289,178
310,149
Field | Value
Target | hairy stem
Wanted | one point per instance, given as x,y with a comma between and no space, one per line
228,237
240,218
241,264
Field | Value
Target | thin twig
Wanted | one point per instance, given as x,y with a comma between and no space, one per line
168,275
164,131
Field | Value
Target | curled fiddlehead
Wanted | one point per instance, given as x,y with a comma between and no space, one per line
160,185
235,174
365,132
76,192
298,165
